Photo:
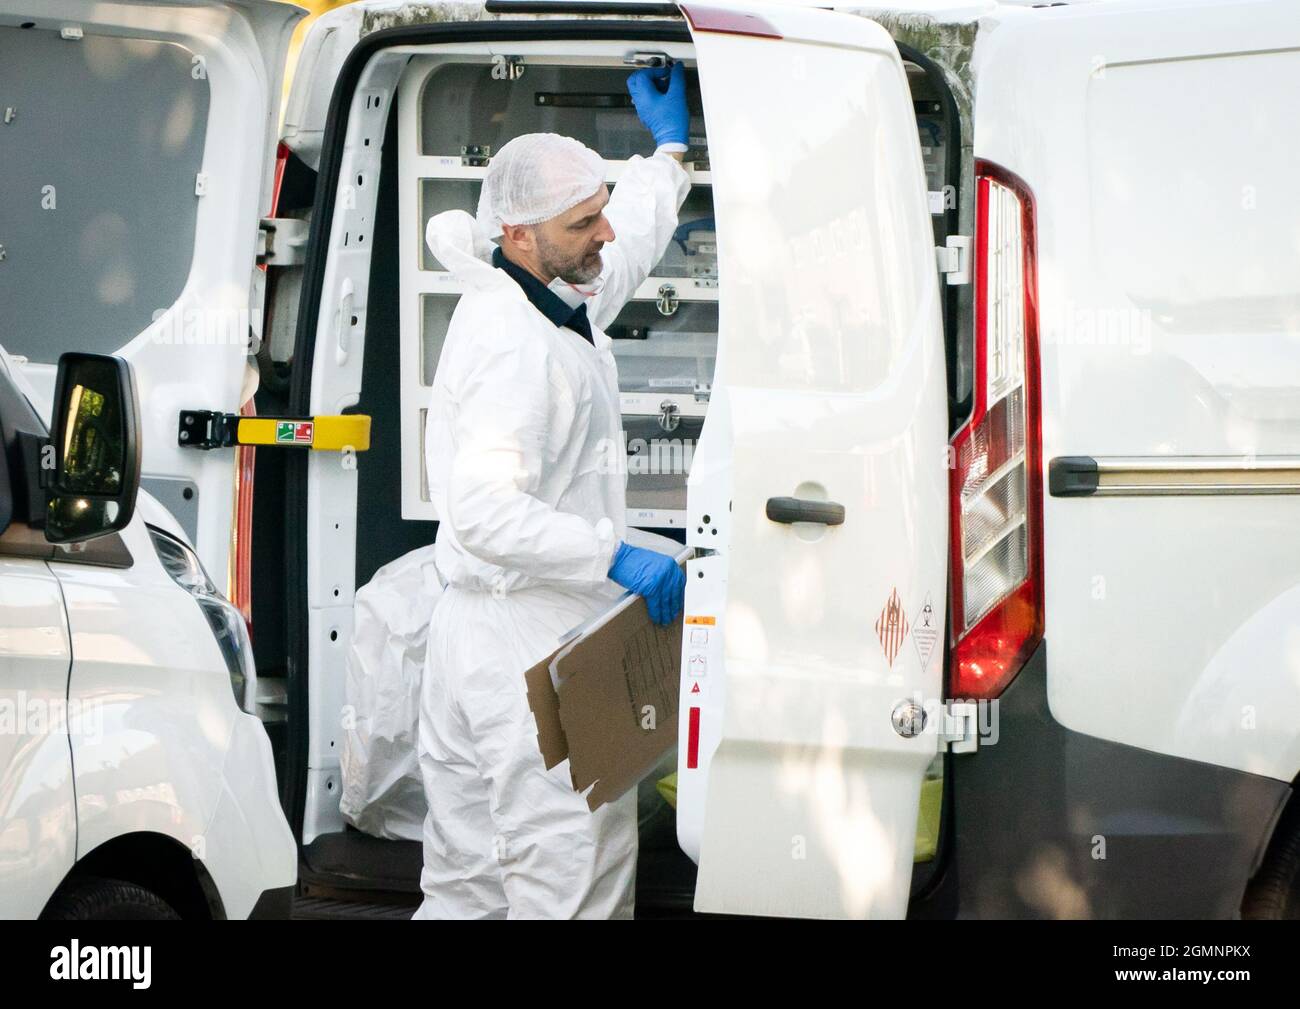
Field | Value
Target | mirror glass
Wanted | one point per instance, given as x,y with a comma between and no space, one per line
93,430
96,455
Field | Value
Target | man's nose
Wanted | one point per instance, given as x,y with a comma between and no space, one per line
605,233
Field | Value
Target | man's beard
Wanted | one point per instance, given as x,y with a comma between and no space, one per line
580,269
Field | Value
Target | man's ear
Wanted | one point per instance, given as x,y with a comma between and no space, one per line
518,236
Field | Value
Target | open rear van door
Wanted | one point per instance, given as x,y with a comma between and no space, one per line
138,160
813,652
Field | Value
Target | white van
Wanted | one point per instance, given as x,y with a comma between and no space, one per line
132,785
135,779
980,334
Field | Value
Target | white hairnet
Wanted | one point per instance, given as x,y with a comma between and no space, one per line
535,177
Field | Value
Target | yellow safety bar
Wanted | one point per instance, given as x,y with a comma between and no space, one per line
208,429
324,434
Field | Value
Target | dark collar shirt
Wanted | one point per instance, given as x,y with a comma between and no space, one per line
545,300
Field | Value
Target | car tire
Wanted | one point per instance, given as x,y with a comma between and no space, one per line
1274,893
94,899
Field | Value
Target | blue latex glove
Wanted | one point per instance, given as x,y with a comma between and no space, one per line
654,576
664,113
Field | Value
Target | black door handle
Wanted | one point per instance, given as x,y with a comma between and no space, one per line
793,509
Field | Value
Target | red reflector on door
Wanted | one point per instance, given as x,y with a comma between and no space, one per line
693,740
728,22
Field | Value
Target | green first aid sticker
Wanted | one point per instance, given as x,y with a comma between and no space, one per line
293,432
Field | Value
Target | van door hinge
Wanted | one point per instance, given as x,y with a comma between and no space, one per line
282,241
960,730
208,429
954,259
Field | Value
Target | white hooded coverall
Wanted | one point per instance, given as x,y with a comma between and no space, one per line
526,468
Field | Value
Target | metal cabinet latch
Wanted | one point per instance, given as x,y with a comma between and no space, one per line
643,59
669,416
476,155
667,300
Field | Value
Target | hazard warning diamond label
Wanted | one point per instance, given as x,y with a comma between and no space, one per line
926,632
891,628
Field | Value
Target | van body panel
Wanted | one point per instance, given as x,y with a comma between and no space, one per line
1169,314
140,736
328,42
167,749
335,385
38,821
830,385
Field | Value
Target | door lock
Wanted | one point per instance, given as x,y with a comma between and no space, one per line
908,719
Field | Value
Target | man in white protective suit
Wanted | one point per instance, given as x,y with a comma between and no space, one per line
524,451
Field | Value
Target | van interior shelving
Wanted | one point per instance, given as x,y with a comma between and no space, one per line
453,108
453,112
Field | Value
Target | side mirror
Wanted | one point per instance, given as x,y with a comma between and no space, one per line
96,441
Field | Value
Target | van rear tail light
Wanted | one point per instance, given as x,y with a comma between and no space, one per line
996,476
